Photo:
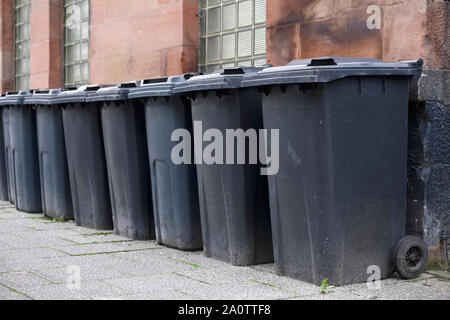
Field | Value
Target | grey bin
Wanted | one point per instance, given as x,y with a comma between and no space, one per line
20,138
86,159
125,142
338,202
4,139
233,198
54,173
174,186
8,153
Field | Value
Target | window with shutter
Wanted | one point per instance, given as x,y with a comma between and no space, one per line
232,33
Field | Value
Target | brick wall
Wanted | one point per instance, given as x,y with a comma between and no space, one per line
46,43
144,38
129,40
409,29
6,45
140,38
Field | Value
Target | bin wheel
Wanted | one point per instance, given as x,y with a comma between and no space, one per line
411,257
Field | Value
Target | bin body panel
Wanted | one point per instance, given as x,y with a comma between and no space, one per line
338,203
24,159
233,198
54,172
87,166
8,155
128,169
4,193
174,187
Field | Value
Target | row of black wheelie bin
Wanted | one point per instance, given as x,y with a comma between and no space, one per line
303,164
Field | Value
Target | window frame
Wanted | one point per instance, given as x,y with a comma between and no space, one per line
80,41
207,66
26,75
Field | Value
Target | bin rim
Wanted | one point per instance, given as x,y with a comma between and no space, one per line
222,79
46,96
113,93
14,98
160,87
79,95
328,69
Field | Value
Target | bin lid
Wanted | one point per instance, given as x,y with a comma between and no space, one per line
159,87
46,96
113,93
78,95
14,98
327,69
221,79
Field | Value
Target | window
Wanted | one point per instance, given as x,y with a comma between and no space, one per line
232,33
22,44
76,42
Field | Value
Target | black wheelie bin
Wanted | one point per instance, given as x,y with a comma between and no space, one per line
86,159
233,194
125,142
22,160
338,202
174,184
4,190
54,173
8,150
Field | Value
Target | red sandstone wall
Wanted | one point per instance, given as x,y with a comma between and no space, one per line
308,28
46,44
136,39
6,46
142,38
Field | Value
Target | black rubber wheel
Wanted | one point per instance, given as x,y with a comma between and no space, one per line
411,257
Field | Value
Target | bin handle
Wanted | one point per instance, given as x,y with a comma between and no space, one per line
232,71
92,88
187,76
413,63
128,85
322,62
42,91
69,89
155,80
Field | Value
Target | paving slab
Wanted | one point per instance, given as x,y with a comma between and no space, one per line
7,293
54,292
161,295
104,248
197,258
136,264
22,281
160,285
430,289
95,237
4,246
38,257
13,225
90,267
23,264
100,290
240,277
168,260
27,240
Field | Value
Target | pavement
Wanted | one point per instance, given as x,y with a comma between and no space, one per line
42,259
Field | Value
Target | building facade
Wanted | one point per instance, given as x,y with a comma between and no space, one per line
57,43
